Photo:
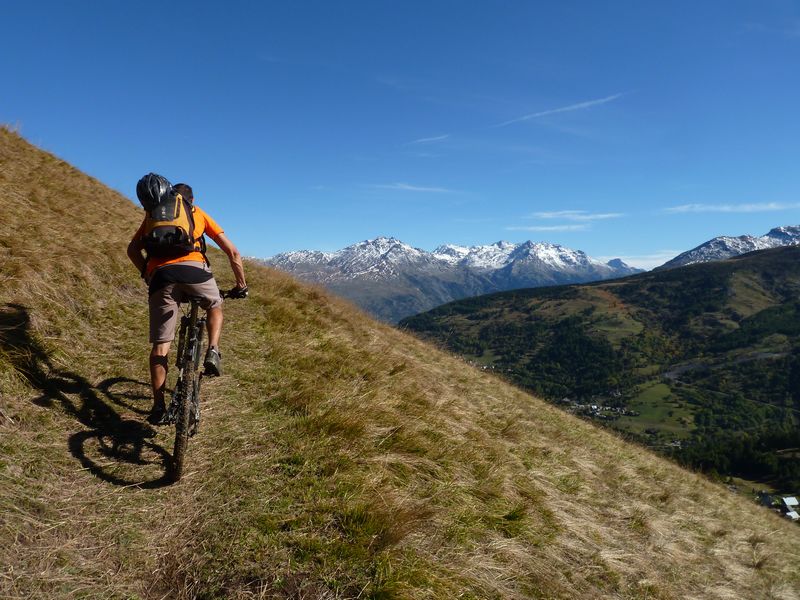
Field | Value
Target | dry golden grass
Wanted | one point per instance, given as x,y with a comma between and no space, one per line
338,457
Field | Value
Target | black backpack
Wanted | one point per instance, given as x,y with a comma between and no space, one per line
169,228
169,223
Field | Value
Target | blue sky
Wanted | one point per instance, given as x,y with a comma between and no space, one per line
623,128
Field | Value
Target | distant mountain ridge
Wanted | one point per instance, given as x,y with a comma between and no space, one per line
723,247
393,280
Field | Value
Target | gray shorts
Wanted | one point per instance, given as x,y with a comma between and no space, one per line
164,303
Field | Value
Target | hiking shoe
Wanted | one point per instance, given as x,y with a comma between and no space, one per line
213,362
158,415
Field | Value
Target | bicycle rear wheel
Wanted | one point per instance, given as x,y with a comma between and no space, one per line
188,388
182,421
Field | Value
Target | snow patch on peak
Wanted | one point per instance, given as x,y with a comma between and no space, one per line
301,256
490,256
554,256
722,247
450,253
787,234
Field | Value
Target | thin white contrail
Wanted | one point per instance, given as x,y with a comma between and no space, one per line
407,187
428,140
571,107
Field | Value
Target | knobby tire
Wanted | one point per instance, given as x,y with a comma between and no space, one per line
198,378
182,422
189,388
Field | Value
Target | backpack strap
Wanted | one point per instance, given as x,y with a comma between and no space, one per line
201,240
189,215
203,249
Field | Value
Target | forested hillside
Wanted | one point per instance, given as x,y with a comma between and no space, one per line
700,362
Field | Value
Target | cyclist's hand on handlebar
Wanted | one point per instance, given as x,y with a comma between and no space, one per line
237,292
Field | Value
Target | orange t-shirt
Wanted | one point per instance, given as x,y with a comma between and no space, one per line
202,224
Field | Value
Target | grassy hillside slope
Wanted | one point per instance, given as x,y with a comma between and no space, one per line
338,458
704,360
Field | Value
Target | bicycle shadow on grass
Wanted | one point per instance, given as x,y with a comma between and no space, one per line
117,450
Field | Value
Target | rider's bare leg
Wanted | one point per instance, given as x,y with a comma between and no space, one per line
214,322
158,371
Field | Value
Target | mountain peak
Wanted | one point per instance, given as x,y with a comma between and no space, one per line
785,232
378,242
722,247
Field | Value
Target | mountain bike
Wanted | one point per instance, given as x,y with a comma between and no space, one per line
184,408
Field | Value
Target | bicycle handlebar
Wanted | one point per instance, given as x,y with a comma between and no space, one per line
230,293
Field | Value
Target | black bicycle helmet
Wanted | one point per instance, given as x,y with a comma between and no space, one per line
151,188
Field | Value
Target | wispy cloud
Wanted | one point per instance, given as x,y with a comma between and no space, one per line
428,140
271,58
474,220
575,215
403,85
732,208
578,106
581,220
423,154
790,29
407,187
572,227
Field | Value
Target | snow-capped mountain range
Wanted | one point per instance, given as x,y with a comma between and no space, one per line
393,280
724,247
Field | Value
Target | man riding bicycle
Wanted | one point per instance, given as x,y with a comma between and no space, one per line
175,276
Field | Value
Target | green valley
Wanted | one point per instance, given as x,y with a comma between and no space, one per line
701,362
